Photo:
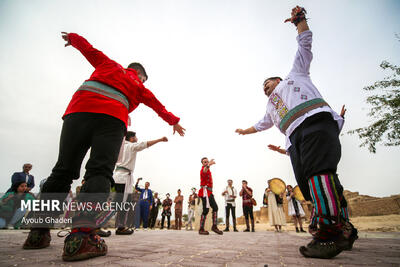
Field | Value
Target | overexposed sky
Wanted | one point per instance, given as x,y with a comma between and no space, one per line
206,62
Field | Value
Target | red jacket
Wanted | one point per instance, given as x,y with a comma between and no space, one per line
205,180
112,74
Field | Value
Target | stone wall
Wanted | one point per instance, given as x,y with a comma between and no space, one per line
362,205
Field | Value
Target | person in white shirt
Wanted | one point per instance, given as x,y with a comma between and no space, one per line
230,195
123,174
297,109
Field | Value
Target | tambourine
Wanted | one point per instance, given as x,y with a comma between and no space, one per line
277,186
297,194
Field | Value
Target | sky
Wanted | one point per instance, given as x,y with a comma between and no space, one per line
206,62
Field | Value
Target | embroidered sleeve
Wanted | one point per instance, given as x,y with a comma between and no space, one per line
304,55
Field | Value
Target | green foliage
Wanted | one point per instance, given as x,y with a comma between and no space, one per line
385,111
220,220
185,217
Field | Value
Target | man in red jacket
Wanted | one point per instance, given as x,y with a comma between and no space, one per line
207,197
96,118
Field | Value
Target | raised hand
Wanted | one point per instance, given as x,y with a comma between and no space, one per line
179,129
64,35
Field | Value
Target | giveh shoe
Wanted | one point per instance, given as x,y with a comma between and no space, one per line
215,229
346,241
37,238
124,231
83,245
103,233
321,250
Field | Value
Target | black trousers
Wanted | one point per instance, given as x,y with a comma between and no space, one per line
248,211
103,134
230,208
153,217
213,204
315,150
163,220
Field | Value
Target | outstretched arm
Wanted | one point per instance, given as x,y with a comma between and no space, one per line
153,142
206,168
151,101
250,130
94,56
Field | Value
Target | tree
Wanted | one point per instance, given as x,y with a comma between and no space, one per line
385,110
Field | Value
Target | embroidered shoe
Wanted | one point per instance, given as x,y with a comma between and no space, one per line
322,250
82,246
38,238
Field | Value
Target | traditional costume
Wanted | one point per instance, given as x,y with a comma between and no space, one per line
230,207
178,212
294,206
312,129
191,209
205,192
96,118
123,177
167,203
276,215
247,205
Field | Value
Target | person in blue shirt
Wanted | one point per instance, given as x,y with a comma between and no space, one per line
145,202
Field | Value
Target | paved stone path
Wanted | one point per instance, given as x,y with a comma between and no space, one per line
187,248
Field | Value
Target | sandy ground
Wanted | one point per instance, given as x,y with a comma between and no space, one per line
387,223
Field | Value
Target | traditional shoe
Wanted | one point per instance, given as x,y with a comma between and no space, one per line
124,231
102,233
247,230
203,232
37,238
82,246
215,229
347,243
302,230
322,250
235,230
226,230
297,230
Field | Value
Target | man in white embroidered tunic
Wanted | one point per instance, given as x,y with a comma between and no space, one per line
123,174
312,129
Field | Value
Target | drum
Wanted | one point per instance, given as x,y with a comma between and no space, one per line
297,194
277,186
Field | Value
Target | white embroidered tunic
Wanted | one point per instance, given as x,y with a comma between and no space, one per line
296,89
